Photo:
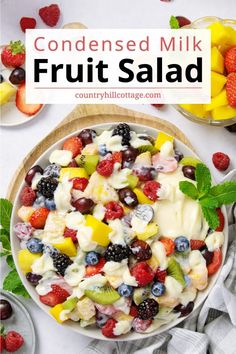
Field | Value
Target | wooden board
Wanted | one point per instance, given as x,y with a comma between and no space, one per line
83,116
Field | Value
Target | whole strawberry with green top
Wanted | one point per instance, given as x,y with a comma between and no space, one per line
13,55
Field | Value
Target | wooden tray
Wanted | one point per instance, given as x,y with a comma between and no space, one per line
81,117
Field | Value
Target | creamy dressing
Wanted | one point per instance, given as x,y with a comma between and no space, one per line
74,220
54,227
136,141
118,273
158,251
122,327
62,195
43,264
119,178
167,149
214,240
100,190
61,157
84,236
99,211
74,274
117,234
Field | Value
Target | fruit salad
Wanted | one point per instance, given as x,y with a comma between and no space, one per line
107,237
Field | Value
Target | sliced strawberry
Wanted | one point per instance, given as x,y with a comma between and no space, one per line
27,23
216,262
54,297
230,60
196,244
80,183
221,219
71,233
168,244
13,55
73,144
231,89
29,109
50,14
96,269
161,275
39,217
117,156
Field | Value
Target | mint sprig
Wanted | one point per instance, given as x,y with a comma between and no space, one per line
210,197
174,23
12,281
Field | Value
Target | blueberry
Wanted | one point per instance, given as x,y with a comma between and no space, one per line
35,245
125,290
52,170
158,289
102,149
39,201
50,204
181,244
101,319
92,258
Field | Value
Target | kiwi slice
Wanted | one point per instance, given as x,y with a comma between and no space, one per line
70,303
189,161
88,162
141,294
145,148
105,295
132,180
174,270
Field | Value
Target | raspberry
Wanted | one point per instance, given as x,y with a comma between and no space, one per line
168,244
148,309
2,344
39,217
107,329
13,341
196,244
80,183
71,233
142,273
27,23
141,250
50,14
161,275
105,167
141,326
113,211
27,196
73,144
133,311
116,253
221,219
150,189
221,161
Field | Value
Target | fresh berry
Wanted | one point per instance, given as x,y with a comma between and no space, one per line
158,105
52,170
31,173
183,21
47,186
231,89
92,258
61,261
71,233
27,196
158,289
216,262
189,172
144,212
39,201
102,149
145,174
117,157
113,211
116,253
83,205
1,78
221,219
13,341
101,319
168,244
133,310
181,244
128,197
148,309
125,290
23,231
161,275
87,136
5,309
2,343
56,296
184,310
142,273
13,55
80,183
39,217
50,14
150,189
128,156
123,130
105,167
35,245
29,109
140,326
17,76
73,163
107,329
197,244
230,60
27,23
33,278
73,144
50,204
221,161
141,250
96,269
208,256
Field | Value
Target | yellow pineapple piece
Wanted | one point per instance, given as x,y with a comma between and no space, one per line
25,213
217,60
67,247
222,35
6,91
153,262
217,101
73,172
26,259
223,112
196,109
161,139
86,309
56,312
100,230
100,190
142,198
218,81
149,231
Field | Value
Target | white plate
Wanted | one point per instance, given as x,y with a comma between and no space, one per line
93,332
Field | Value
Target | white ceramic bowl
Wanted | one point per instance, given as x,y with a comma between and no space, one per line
93,332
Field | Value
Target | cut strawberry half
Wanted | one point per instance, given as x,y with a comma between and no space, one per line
96,269
54,297
29,109
197,244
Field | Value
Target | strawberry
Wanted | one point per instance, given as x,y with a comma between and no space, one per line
117,156
29,109
161,275
73,144
50,14
13,341
27,196
13,55
196,244
133,311
107,329
80,183
95,269
183,21
230,60
2,343
216,262
221,161
231,89
27,23
39,217
142,273
71,233
168,244
158,105
56,296
221,219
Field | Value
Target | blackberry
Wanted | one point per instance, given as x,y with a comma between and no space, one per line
52,170
123,130
46,186
148,309
116,253
61,261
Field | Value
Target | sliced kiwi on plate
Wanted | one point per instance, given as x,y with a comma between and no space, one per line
104,295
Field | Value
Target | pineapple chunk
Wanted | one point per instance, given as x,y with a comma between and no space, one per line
161,139
217,101
26,259
223,112
73,172
56,312
153,262
149,231
100,190
217,83
196,109
67,247
142,199
217,60
86,309
222,35
100,230
6,91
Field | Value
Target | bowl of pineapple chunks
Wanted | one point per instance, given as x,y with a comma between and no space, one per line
221,111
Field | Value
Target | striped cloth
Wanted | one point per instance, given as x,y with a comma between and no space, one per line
211,329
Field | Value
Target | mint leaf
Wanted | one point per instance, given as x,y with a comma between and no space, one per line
10,262
203,179
4,232
174,23
13,284
189,189
211,217
209,202
5,243
5,213
224,193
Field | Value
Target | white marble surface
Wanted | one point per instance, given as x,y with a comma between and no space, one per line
17,142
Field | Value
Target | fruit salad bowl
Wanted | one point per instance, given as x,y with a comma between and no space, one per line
32,272
220,112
